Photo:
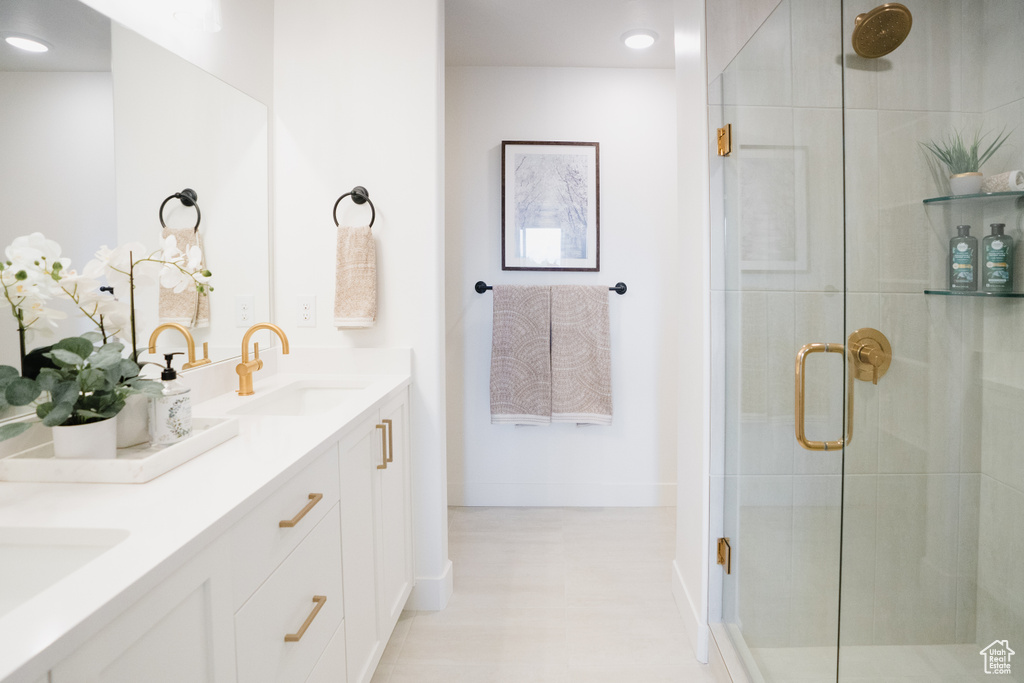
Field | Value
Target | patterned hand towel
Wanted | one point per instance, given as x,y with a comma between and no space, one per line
355,288
520,356
189,307
581,364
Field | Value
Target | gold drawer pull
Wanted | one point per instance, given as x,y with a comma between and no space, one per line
383,447
314,498
296,637
391,442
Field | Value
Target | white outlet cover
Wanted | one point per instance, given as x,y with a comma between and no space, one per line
305,311
245,310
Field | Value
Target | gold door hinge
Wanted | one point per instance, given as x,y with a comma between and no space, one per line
725,140
725,554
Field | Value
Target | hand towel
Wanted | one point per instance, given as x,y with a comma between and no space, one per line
521,356
1011,181
355,285
581,361
189,307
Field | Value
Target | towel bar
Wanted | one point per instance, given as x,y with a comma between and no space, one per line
188,197
481,287
359,195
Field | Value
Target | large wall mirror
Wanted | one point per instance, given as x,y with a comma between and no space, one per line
97,132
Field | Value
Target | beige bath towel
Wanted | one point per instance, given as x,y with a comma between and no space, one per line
355,287
581,381
188,308
520,356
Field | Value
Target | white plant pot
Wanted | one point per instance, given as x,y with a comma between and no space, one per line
133,421
93,440
965,183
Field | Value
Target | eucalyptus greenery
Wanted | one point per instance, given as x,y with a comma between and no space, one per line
86,383
959,157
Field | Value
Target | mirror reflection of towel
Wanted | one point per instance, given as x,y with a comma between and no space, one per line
188,308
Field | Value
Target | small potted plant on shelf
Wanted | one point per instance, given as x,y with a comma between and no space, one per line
81,383
963,160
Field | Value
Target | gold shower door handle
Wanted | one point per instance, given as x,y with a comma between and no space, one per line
801,360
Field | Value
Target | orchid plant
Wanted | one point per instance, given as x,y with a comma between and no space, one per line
34,277
86,379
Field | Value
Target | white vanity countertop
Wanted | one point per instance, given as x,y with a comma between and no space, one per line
173,517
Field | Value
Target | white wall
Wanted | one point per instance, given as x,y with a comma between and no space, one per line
240,53
358,102
57,165
631,113
692,545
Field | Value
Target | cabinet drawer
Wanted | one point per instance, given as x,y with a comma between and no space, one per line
259,543
284,604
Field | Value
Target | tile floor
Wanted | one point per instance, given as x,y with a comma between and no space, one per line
551,595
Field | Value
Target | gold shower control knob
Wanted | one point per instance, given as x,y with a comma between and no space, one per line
870,354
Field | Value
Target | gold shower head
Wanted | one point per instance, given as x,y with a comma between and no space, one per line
882,30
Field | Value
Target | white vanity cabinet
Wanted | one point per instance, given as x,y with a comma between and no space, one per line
376,534
180,631
305,586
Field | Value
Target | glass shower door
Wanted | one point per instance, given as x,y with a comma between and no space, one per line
778,283
898,556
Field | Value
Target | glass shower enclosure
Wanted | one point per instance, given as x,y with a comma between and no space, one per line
868,430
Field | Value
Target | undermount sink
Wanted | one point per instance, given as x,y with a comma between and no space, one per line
36,558
308,397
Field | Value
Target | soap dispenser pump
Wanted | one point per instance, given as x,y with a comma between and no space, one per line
170,415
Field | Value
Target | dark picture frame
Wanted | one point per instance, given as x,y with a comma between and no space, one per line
550,206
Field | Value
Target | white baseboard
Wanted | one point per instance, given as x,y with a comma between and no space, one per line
431,594
696,629
561,495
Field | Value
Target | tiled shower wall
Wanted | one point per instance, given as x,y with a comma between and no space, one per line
934,491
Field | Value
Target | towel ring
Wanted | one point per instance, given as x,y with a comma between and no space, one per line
359,196
188,197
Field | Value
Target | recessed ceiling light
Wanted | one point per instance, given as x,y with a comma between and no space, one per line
639,38
26,43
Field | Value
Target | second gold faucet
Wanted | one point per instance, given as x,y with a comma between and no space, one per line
247,367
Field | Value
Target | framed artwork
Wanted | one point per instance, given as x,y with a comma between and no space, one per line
773,207
550,206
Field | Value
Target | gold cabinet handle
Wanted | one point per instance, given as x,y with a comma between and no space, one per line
801,436
391,442
314,498
383,447
296,637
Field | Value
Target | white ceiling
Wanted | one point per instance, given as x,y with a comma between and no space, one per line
583,33
78,34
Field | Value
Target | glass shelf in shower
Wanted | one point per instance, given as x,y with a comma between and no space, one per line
993,295
981,197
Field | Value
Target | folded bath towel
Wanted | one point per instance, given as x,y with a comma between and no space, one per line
189,307
520,356
355,288
581,380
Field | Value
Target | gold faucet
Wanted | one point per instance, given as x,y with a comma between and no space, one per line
189,341
247,367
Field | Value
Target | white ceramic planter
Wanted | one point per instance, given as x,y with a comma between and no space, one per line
94,440
965,183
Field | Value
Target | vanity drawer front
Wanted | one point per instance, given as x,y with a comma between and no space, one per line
259,543
286,603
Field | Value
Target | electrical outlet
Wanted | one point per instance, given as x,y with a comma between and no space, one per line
245,310
305,311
